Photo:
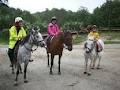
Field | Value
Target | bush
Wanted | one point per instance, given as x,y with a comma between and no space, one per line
4,36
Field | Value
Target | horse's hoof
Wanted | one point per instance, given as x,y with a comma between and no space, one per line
98,68
25,81
85,72
59,73
92,68
51,73
89,74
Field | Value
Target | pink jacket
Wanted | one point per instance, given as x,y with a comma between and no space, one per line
53,29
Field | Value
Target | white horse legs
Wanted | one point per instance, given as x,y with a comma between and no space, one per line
94,62
87,70
19,70
25,70
17,73
98,66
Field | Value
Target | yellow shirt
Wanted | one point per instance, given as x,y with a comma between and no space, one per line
14,37
95,35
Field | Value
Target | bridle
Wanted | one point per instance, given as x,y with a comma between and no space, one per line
65,38
89,50
34,41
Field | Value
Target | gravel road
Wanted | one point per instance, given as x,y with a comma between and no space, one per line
72,68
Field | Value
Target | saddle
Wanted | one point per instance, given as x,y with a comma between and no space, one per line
49,40
16,49
99,47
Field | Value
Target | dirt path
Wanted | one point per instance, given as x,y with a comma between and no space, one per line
72,67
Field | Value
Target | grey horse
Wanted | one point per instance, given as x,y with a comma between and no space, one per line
25,49
92,54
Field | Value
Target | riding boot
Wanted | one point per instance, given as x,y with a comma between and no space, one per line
16,47
11,56
47,40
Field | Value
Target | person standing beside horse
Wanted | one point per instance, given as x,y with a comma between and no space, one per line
16,33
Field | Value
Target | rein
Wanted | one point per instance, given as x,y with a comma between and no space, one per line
90,50
31,49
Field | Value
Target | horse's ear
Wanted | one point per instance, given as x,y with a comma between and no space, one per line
32,31
38,30
67,31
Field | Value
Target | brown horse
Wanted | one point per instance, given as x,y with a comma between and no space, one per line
56,45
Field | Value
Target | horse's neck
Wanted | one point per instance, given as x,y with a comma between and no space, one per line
59,39
94,50
29,44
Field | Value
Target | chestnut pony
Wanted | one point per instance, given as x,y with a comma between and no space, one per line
56,45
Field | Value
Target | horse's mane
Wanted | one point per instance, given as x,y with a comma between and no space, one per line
25,40
60,33
64,33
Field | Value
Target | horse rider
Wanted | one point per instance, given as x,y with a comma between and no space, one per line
53,29
16,33
96,36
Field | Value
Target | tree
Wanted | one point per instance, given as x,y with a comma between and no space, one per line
108,15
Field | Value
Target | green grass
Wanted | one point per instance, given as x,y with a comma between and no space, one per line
4,36
79,39
3,42
110,38
112,42
112,35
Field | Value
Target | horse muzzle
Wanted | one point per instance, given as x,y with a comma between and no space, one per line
42,43
88,50
69,48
